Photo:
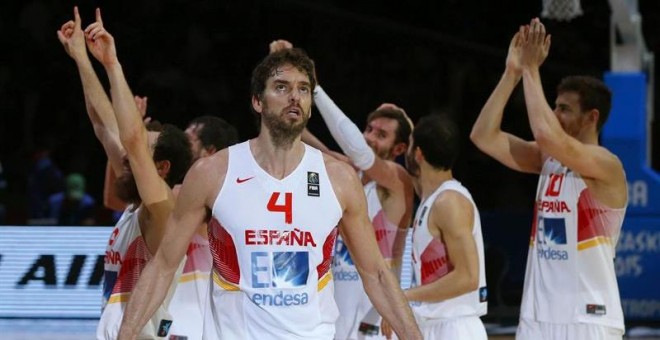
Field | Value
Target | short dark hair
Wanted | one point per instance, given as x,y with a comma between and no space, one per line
266,68
593,93
215,132
173,145
438,138
404,125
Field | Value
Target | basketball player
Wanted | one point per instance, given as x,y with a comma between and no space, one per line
570,289
448,251
147,165
389,193
207,135
276,207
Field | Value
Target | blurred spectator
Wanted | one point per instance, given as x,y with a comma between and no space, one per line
72,206
44,179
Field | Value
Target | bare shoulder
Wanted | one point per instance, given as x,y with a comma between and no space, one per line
207,174
452,203
402,174
343,177
339,171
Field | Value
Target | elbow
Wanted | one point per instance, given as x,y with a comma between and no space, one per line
544,139
133,138
472,283
469,282
480,138
474,135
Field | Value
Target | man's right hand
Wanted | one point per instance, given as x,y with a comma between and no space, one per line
513,57
100,43
279,45
72,37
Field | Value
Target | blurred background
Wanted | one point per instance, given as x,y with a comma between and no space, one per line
194,58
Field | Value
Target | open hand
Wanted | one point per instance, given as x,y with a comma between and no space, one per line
515,47
535,45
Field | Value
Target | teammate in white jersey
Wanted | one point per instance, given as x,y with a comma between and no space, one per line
207,135
272,250
147,165
570,287
389,192
450,292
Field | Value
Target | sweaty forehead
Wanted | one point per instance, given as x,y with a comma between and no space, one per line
288,72
384,123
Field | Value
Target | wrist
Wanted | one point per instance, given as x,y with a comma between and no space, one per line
112,66
530,70
512,72
81,59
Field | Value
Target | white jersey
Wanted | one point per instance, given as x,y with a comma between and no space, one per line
125,257
190,299
431,263
352,300
570,275
272,242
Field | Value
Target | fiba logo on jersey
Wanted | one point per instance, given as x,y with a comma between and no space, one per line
313,187
551,232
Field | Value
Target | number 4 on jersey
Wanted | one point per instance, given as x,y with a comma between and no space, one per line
286,208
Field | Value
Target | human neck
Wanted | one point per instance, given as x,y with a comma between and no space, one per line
431,179
277,160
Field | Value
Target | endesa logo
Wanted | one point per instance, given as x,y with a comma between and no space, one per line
551,232
280,270
345,275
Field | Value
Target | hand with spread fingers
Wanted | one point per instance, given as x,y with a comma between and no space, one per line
535,45
100,43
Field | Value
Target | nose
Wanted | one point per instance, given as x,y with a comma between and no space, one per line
294,97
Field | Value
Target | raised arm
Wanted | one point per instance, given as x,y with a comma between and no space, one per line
189,213
99,108
379,283
451,219
110,198
132,133
386,173
590,160
487,134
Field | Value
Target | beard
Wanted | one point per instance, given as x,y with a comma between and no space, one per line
126,188
282,130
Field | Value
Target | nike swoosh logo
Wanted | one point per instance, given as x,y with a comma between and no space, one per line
241,180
